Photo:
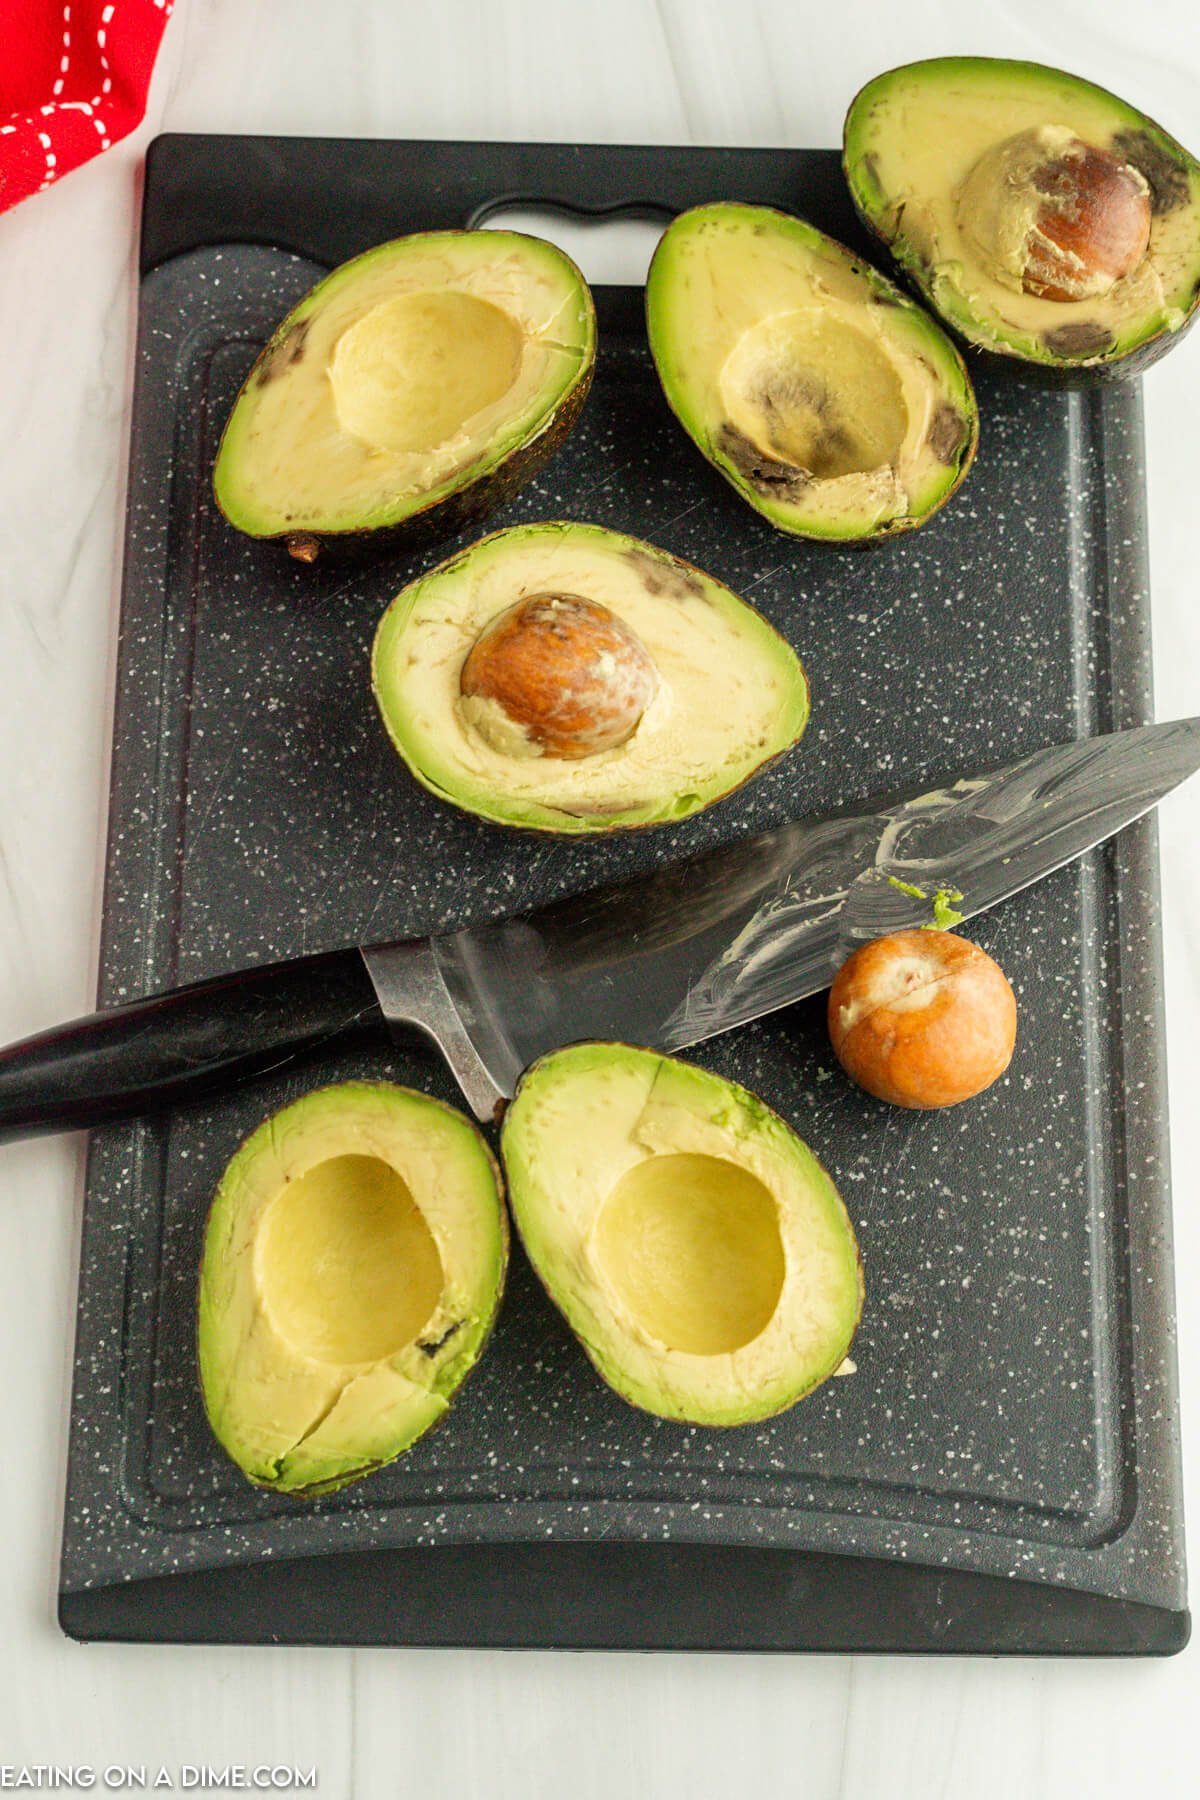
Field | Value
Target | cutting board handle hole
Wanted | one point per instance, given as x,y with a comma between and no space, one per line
611,248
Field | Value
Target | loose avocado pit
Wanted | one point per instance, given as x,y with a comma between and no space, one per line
411,392
353,1263
557,675
1045,220
829,401
922,1018
566,678
690,1239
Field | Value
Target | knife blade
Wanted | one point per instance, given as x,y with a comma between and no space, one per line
666,960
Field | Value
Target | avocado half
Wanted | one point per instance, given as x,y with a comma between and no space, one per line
727,693
947,163
831,402
409,394
692,1242
353,1264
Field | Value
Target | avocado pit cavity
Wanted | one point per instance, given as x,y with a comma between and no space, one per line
817,394
348,1268
415,369
691,1246
1054,216
557,675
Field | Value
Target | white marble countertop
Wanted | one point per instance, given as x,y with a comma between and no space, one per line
442,1724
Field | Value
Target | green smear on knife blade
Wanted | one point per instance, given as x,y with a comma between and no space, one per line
944,915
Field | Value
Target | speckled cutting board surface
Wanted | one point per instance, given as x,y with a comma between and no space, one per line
1013,1410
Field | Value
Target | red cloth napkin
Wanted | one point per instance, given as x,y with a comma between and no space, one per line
73,80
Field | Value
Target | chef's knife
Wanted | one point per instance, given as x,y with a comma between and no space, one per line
665,960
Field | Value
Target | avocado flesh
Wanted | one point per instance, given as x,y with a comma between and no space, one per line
690,1239
353,1263
832,403
915,139
412,388
731,693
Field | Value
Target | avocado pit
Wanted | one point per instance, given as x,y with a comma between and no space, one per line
1055,216
557,675
922,1018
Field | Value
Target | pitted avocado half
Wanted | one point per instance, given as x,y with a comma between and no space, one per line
693,1243
998,184
831,402
353,1264
410,393
567,678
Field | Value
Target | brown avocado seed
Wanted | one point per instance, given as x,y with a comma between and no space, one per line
922,1018
571,676
1063,218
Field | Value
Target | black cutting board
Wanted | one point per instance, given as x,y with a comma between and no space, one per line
1002,1473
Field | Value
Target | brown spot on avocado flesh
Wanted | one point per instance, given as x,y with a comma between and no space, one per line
671,580
431,1346
777,480
946,434
832,447
1166,178
1085,338
284,354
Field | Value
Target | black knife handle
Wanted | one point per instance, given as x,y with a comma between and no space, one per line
180,1044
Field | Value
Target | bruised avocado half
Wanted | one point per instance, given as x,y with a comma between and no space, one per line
1044,219
411,392
693,1243
568,678
833,404
353,1264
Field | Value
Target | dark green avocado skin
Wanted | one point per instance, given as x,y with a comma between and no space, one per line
1083,375
455,512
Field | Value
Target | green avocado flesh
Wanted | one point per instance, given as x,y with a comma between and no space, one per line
833,404
729,696
353,1263
411,391
693,1243
938,158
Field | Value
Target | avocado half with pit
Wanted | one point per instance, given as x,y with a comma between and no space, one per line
567,678
830,401
410,393
353,1264
1043,219
692,1242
